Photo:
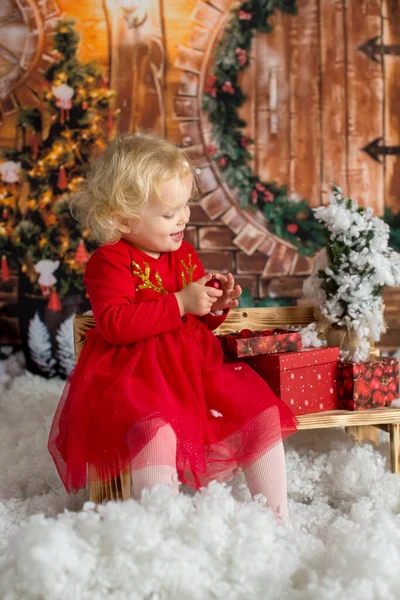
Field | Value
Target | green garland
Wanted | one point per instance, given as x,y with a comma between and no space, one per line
289,220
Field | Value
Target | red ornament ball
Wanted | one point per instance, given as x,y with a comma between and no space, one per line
245,333
215,283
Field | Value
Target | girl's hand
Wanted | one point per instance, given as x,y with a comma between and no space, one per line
197,299
231,292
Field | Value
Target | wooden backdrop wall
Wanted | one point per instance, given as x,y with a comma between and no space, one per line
336,66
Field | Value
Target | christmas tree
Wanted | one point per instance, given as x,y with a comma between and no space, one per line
55,143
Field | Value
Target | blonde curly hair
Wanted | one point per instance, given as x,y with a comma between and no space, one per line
123,180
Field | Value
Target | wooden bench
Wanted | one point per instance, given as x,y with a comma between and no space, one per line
361,425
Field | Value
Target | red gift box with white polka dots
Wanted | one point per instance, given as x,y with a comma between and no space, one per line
305,380
252,343
371,384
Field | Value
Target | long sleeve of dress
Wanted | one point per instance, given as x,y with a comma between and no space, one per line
111,289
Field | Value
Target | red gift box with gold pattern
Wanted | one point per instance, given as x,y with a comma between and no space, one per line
252,343
371,384
306,380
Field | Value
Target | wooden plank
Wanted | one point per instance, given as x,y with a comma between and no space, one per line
391,35
264,318
137,73
343,418
178,30
305,114
333,97
394,431
238,318
364,100
363,433
273,146
247,80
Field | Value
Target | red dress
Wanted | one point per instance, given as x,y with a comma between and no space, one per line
144,366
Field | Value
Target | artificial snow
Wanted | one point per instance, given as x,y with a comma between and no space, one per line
343,541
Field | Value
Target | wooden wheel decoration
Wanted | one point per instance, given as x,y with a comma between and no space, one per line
26,29
218,200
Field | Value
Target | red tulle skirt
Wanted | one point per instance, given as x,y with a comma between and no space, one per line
223,414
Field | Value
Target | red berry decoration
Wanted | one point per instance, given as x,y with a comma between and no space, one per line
392,387
356,370
378,372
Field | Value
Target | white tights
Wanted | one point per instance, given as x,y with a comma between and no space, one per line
158,455
267,476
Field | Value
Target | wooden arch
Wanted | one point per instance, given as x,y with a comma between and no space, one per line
218,200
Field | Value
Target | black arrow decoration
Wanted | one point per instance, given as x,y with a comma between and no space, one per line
375,149
375,50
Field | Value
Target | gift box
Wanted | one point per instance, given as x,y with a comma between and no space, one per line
371,384
252,343
305,380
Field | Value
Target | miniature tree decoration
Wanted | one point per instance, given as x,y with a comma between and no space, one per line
351,272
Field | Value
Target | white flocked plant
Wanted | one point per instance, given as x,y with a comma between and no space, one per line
352,270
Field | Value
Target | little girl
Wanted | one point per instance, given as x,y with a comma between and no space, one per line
152,389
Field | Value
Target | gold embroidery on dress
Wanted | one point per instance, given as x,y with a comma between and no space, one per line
145,277
189,270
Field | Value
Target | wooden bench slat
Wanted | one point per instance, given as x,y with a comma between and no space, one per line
345,418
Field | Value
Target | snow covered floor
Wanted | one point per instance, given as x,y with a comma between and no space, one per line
343,541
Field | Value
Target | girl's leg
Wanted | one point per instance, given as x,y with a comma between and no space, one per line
158,455
267,476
